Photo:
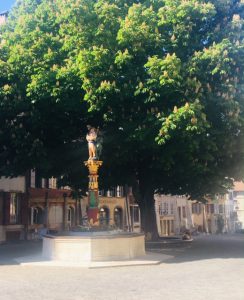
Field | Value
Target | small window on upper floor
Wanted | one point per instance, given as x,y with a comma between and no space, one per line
101,193
110,193
52,183
119,191
32,178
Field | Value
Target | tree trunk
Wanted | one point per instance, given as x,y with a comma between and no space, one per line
148,216
144,195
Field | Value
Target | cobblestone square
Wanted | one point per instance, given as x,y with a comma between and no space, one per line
211,267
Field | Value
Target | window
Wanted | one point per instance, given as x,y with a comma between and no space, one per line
37,215
179,212
104,216
210,208
172,227
135,213
184,212
166,208
101,193
69,215
45,183
118,217
109,193
32,178
129,192
14,208
163,208
164,227
193,208
196,208
119,191
160,208
52,183
171,208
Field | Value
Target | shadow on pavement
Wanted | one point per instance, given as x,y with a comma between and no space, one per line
203,247
12,250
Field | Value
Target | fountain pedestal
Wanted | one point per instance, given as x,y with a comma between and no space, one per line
88,247
93,212
79,247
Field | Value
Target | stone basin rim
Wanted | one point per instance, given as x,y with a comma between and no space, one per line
93,235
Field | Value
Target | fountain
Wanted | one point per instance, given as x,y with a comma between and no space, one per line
94,245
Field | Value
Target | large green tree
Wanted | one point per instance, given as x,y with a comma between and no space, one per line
162,78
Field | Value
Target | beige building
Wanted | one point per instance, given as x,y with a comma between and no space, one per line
13,207
173,214
31,206
50,208
214,216
198,216
117,210
237,195
223,214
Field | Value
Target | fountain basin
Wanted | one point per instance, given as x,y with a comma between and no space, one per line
87,247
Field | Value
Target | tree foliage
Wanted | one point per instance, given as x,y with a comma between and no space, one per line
162,78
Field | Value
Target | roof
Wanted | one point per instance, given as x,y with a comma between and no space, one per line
3,17
238,186
4,13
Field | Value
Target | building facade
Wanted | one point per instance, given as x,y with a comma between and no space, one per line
13,208
214,216
28,204
237,195
222,214
118,210
3,17
31,206
173,214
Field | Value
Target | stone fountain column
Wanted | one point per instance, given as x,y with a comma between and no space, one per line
93,201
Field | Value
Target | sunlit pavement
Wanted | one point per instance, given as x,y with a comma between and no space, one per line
211,267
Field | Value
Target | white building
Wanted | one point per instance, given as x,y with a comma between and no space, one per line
237,194
3,17
173,214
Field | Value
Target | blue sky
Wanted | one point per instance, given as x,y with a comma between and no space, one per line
6,4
